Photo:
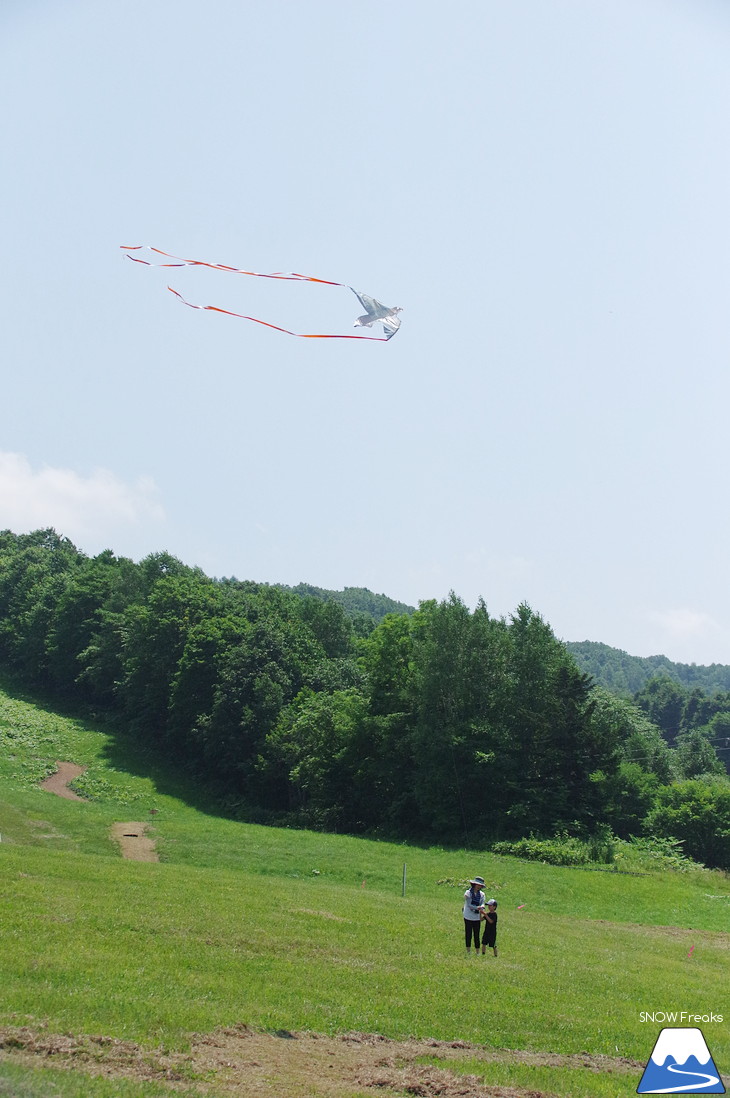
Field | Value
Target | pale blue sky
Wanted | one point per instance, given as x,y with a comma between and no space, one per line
541,185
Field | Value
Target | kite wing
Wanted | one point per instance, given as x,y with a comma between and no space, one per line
391,325
373,308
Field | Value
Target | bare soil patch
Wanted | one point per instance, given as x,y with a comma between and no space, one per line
134,842
244,1063
58,783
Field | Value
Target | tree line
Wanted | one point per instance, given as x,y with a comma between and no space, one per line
443,724
625,674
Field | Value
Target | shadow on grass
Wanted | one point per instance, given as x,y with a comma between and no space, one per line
141,756
127,751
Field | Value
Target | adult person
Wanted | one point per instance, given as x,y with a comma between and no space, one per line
474,901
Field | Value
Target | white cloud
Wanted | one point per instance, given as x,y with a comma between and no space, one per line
689,636
683,622
90,510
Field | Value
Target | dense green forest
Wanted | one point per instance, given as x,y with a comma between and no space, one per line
440,724
362,605
625,674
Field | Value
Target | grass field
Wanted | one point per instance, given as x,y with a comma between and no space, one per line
283,930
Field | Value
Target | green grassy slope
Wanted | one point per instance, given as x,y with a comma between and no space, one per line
290,929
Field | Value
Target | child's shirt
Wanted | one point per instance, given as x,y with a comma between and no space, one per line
490,922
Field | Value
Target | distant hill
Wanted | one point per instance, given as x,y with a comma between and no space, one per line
624,674
611,667
356,600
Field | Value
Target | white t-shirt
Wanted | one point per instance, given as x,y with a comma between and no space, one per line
471,910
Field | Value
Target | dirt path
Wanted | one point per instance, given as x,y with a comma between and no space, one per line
243,1063
134,842
58,783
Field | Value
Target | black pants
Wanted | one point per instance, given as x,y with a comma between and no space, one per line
471,929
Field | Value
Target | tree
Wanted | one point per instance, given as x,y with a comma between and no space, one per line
95,593
718,730
695,755
663,702
312,742
555,749
197,673
384,797
155,634
698,813
637,739
257,677
386,657
34,571
697,710
460,683
329,624
628,796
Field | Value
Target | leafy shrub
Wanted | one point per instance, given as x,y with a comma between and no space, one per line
97,788
561,850
698,813
635,855
651,853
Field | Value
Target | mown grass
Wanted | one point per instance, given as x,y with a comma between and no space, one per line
285,929
17,1081
568,1082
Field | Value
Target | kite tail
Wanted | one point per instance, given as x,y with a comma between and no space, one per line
300,335
287,276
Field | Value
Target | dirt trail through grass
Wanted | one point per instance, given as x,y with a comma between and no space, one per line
134,842
246,1063
58,783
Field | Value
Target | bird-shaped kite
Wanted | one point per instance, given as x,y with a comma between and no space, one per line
375,312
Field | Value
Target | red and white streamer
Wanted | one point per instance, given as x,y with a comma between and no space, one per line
289,276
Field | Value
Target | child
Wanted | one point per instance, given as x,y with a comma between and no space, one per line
490,927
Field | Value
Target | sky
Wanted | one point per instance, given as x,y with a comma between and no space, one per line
542,186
